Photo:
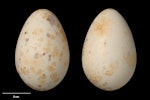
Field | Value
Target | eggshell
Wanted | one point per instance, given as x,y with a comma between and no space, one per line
42,52
109,53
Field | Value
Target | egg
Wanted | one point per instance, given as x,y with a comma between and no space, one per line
42,51
109,52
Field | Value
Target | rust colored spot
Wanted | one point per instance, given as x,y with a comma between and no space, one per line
111,69
45,15
37,31
109,73
61,54
39,72
43,79
55,52
21,53
24,70
130,59
105,84
95,79
57,33
54,64
51,68
36,62
63,37
58,25
108,88
102,26
47,49
54,77
65,64
25,32
52,36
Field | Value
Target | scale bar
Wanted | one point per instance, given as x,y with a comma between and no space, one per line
16,92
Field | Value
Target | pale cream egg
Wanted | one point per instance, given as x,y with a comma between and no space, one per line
109,53
42,51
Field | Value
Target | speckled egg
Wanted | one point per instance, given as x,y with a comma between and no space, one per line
42,52
109,53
